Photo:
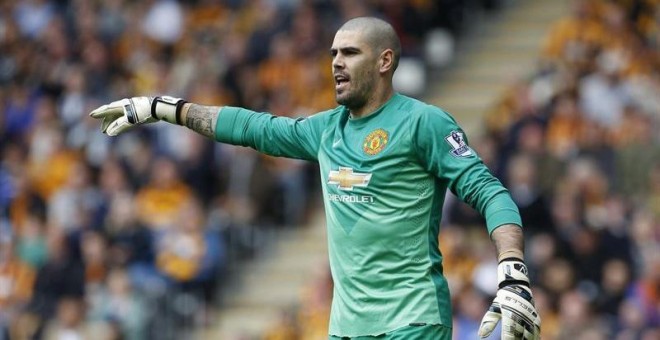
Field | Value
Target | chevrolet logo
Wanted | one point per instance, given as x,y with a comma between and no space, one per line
346,179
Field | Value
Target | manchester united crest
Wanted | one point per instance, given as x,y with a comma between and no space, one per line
375,142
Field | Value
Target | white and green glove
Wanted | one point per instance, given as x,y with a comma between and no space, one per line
121,115
513,304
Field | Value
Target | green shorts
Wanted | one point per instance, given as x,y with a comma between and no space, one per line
413,332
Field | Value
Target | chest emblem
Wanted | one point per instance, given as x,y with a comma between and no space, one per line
375,142
346,179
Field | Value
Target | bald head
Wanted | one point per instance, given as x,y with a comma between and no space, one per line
378,34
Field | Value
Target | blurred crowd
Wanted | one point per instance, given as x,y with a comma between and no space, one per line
577,145
133,237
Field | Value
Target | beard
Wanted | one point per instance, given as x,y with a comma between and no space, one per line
351,99
357,95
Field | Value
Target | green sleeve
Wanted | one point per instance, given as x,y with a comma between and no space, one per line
269,134
443,149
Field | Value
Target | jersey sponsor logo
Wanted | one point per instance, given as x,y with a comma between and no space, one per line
375,142
458,146
350,198
346,179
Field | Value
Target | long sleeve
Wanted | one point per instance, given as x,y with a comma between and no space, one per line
276,136
443,149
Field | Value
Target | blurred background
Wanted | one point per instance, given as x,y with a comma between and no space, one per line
161,234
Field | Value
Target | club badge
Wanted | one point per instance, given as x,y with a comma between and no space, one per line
375,142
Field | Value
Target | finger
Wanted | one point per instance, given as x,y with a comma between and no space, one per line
106,122
537,330
115,108
513,325
530,334
508,327
107,111
490,320
118,126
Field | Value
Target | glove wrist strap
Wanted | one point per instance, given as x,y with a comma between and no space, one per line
168,109
512,271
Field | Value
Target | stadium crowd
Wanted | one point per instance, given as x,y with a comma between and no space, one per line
96,238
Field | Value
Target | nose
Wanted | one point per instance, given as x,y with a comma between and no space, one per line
337,62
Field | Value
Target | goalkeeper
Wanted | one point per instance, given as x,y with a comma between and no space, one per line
386,161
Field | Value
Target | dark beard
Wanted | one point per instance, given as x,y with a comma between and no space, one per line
358,98
352,102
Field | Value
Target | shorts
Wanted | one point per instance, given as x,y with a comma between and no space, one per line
412,332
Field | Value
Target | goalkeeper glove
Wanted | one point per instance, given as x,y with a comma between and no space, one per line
513,304
121,115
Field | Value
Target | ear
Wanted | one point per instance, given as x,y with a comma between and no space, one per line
386,61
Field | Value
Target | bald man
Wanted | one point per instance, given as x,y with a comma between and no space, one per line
386,162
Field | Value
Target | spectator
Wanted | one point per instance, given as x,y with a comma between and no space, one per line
50,161
31,246
33,16
573,36
158,202
26,202
94,257
470,307
17,279
120,303
73,205
70,322
59,278
132,245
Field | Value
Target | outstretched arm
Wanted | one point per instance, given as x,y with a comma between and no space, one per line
200,118
275,136
124,114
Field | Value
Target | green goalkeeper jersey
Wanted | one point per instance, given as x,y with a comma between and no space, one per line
384,179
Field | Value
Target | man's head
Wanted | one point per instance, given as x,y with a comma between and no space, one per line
365,53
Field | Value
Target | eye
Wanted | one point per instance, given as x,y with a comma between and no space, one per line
350,51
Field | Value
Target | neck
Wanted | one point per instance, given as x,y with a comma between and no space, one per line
377,100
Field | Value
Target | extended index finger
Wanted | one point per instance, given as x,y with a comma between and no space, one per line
115,108
107,110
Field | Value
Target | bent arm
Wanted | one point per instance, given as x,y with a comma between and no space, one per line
443,150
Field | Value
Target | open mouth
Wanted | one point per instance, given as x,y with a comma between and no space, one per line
340,80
